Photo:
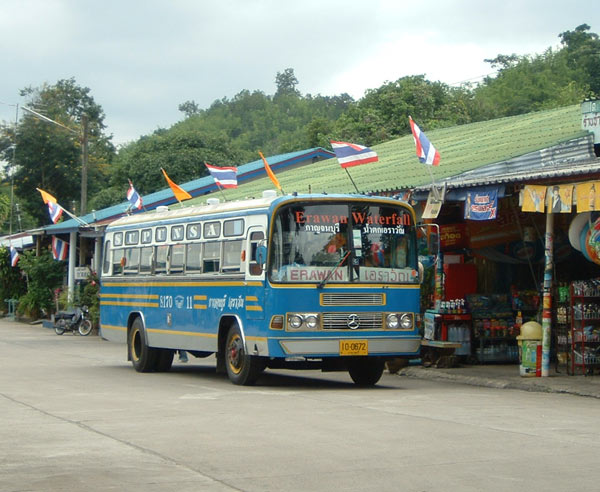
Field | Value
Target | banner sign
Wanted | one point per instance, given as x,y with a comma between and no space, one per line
453,236
560,199
534,197
481,204
588,196
432,207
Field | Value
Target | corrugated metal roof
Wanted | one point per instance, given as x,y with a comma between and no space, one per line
574,157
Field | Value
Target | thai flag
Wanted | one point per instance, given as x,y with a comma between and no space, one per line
60,248
55,211
14,256
350,155
226,177
134,197
426,152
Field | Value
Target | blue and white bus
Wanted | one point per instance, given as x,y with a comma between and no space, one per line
316,281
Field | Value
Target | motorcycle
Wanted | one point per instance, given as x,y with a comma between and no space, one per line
76,320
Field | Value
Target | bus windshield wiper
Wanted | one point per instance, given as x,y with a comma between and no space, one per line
332,271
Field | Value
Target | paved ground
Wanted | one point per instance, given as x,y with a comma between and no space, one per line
76,416
507,376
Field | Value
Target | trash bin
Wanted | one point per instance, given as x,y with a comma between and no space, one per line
530,349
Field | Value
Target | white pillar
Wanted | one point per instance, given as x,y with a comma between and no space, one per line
97,255
71,267
547,294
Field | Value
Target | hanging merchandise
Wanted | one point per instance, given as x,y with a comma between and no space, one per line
575,229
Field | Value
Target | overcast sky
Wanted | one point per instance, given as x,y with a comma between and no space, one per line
141,59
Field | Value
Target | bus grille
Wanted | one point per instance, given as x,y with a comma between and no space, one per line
339,321
350,299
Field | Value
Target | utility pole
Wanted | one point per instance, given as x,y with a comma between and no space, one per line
84,163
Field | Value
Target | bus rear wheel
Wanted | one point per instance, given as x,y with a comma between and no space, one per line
365,371
142,357
242,369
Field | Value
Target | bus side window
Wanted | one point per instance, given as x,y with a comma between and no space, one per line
106,258
161,259
255,239
192,264
146,259
176,258
232,255
132,261
211,257
118,257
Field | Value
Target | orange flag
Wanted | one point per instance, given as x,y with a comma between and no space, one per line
270,173
179,192
47,197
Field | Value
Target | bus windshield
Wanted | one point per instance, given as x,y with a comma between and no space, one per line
354,242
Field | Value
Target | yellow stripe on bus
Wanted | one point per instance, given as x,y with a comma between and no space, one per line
200,306
112,327
252,298
200,298
131,296
125,303
184,284
253,308
186,333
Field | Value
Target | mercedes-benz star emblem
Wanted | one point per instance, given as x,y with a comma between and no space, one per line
353,321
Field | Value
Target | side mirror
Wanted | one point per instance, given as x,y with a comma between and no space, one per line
261,254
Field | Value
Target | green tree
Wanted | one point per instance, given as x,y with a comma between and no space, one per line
12,284
582,49
44,275
49,157
286,83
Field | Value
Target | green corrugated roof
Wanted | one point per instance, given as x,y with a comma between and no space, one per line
462,148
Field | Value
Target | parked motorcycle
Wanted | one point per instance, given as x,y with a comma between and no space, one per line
76,320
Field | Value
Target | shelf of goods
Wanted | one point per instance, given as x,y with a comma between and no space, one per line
494,332
562,329
585,327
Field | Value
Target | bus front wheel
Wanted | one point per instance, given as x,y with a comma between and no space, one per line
142,357
242,369
365,371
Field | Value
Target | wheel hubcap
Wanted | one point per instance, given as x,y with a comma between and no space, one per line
235,354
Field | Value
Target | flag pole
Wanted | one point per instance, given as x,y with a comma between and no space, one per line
355,187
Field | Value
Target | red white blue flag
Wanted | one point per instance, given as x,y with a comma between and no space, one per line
60,248
225,177
134,197
55,211
349,154
426,152
14,256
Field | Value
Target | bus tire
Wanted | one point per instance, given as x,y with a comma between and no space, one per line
143,358
242,369
365,371
164,360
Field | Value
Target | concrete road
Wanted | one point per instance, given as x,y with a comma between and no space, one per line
75,416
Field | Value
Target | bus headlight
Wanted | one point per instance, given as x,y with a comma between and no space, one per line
312,321
303,321
294,321
392,321
406,321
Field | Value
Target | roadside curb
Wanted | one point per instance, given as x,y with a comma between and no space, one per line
564,385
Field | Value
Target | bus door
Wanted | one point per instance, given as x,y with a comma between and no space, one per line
255,273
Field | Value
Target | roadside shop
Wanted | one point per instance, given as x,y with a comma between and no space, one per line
519,242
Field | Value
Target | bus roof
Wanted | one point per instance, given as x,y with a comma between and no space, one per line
214,206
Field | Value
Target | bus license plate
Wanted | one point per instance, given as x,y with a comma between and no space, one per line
354,347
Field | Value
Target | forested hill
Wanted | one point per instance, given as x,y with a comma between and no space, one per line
232,130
